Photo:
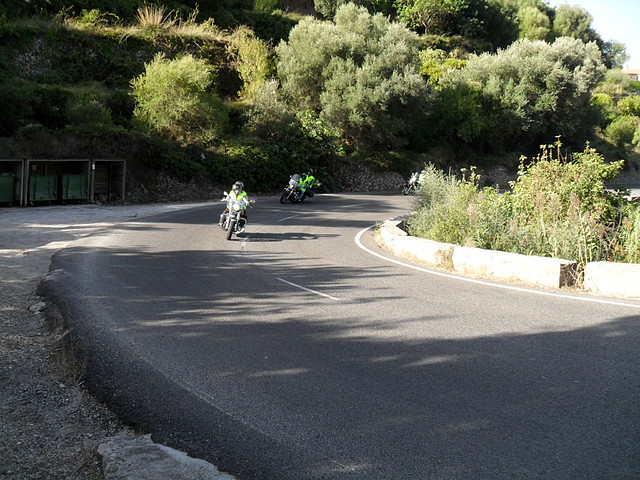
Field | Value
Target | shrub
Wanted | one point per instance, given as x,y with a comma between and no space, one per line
360,74
172,98
536,89
622,130
81,110
604,105
260,169
267,6
549,188
268,114
630,105
556,208
251,59
626,244
438,195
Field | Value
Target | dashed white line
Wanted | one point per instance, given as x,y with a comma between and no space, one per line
306,289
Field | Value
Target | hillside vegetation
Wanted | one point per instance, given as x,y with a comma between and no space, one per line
255,89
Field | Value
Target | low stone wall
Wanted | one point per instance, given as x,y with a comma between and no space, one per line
513,267
427,251
614,279
539,271
606,278
360,178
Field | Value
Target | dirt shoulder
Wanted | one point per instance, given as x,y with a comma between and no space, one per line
49,426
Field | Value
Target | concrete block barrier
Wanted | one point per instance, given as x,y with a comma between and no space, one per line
615,279
426,251
513,267
539,271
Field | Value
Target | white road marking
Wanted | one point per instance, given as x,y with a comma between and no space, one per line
306,289
288,218
488,284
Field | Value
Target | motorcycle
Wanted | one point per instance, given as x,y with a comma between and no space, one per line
293,191
411,185
232,219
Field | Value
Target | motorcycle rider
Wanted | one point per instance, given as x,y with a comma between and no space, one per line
422,178
237,193
307,181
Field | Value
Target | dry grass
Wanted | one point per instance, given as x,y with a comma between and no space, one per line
154,17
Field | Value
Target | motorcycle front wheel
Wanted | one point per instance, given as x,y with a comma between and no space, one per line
284,196
406,190
232,224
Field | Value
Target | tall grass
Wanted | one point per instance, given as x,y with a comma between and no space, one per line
556,208
154,17
626,241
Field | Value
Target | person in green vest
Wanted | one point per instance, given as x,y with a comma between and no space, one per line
237,193
308,181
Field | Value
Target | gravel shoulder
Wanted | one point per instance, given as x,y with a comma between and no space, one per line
49,426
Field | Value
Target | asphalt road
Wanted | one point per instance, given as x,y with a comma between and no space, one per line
302,351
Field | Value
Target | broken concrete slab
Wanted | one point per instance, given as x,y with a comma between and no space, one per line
140,458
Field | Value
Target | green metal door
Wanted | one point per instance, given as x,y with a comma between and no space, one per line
6,187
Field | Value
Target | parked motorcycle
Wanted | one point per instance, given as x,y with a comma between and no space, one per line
411,185
232,219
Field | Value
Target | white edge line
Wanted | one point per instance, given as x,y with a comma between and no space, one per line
481,282
306,289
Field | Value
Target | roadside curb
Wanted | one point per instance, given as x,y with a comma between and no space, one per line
142,459
612,279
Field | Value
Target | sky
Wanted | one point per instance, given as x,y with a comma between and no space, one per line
614,20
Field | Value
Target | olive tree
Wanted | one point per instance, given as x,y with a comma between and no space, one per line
534,23
573,21
359,73
533,90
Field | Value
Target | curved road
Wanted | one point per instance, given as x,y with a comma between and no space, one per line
302,351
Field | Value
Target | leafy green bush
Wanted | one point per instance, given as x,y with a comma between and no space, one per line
159,154
556,208
436,62
440,200
550,187
603,102
535,90
261,169
251,59
268,114
121,105
360,73
622,130
267,6
83,110
26,103
173,99
630,105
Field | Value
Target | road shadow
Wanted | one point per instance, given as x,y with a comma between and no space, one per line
299,390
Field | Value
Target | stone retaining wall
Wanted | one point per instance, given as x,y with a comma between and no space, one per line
612,279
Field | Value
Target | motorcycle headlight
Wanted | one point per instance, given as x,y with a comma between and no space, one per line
236,207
